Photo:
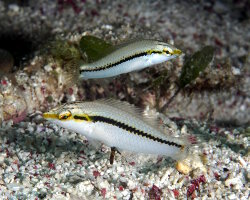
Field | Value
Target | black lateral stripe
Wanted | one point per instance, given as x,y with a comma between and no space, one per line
118,62
131,129
80,117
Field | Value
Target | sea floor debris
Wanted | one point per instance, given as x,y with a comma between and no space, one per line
42,160
39,160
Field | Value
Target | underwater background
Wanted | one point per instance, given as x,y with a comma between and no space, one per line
205,93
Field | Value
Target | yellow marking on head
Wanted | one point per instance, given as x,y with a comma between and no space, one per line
48,115
154,51
167,51
177,52
65,115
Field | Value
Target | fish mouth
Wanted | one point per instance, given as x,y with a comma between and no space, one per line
177,52
48,115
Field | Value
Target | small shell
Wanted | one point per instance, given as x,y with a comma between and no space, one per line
190,163
182,167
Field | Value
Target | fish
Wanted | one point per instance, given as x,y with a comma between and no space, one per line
127,57
118,125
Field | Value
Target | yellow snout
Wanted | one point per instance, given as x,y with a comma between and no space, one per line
177,52
48,115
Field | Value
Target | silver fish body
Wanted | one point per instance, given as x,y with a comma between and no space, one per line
119,125
129,57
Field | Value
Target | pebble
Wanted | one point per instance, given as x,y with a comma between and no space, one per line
15,187
85,187
120,169
2,157
236,71
103,184
57,176
125,193
59,197
165,177
232,196
1,181
131,184
232,180
13,7
48,68
242,162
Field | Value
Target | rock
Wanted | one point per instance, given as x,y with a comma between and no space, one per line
242,162
14,108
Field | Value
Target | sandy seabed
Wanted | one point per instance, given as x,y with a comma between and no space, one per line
39,160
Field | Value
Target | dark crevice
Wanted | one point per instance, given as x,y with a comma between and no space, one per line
19,46
22,37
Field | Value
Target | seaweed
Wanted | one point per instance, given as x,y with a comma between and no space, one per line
94,47
192,68
62,50
196,64
88,49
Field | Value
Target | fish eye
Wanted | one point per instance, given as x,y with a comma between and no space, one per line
166,51
64,115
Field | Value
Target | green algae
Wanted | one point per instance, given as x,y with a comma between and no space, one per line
94,48
196,64
192,68
88,49
62,50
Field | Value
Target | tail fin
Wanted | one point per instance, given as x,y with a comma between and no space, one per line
67,56
189,143
71,72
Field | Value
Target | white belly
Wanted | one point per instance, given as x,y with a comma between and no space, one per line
116,137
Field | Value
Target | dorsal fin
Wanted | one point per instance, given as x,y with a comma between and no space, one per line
127,42
122,105
135,111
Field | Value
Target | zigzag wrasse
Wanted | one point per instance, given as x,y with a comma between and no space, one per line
118,125
126,58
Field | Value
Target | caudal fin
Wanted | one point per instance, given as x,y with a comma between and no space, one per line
71,72
189,143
